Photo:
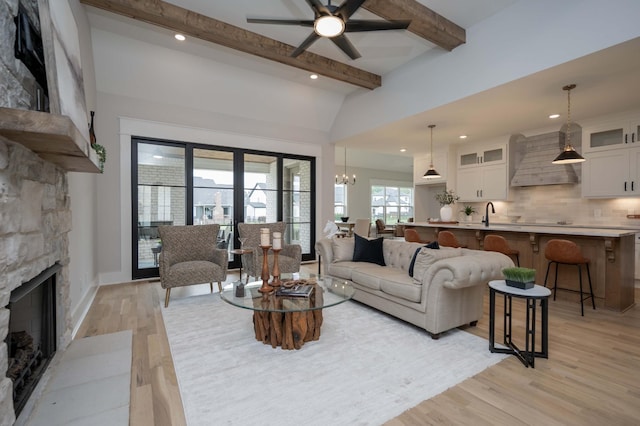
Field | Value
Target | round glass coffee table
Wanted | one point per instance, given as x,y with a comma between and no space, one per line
289,320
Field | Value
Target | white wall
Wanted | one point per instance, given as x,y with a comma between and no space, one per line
83,264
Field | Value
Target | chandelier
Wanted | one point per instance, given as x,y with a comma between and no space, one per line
568,154
431,173
345,178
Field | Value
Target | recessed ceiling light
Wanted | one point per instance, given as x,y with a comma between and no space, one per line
313,76
180,37
462,136
403,149
554,116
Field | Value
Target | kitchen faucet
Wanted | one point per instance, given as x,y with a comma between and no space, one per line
485,220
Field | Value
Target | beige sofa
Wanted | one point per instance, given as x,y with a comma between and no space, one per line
445,292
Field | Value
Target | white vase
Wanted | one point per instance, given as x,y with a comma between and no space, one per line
445,213
468,218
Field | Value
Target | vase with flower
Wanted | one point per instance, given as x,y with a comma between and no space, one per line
446,200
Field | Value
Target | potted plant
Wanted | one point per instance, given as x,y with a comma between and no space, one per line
446,199
468,212
521,278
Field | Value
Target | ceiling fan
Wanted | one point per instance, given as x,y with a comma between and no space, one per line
332,22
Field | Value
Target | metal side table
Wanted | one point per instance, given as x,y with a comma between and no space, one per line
531,296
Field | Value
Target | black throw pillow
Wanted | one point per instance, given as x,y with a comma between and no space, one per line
368,250
432,245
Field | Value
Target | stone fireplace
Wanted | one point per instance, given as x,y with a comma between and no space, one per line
35,219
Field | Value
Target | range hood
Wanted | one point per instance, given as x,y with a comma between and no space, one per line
536,154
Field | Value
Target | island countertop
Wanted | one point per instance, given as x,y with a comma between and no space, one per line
556,229
610,250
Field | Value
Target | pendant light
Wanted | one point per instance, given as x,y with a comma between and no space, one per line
431,173
568,155
345,178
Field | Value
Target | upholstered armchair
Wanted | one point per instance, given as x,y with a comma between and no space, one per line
189,256
288,259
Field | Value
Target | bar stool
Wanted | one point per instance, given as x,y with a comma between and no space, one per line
447,239
500,244
412,236
565,252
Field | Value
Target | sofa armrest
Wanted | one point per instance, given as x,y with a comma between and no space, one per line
324,250
467,271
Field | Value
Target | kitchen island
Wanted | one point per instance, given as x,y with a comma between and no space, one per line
610,250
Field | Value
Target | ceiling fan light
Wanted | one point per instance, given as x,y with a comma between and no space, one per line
568,156
328,26
431,174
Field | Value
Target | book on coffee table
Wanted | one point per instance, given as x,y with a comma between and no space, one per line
298,290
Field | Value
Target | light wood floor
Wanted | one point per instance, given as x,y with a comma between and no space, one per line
592,376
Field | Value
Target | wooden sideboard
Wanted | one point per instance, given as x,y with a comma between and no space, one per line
611,252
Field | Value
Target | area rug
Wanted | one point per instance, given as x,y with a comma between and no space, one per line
366,368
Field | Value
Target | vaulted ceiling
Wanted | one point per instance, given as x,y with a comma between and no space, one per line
425,23
608,81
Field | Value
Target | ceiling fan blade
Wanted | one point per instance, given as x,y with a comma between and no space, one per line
303,23
318,8
354,26
345,45
305,44
348,8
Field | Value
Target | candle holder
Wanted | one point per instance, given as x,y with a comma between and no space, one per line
266,288
276,269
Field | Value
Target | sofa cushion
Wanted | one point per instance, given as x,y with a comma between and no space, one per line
399,284
342,249
432,245
427,257
368,250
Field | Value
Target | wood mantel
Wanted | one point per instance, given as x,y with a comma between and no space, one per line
53,137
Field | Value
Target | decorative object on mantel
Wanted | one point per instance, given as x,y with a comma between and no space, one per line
431,173
468,212
345,178
99,149
522,278
568,155
446,199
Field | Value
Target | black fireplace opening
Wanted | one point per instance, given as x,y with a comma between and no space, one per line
31,340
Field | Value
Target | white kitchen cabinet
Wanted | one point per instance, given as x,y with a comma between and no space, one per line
611,135
488,183
482,173
470,157
614,173
421,165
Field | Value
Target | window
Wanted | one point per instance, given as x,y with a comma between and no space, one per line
391,203
177,183
339,201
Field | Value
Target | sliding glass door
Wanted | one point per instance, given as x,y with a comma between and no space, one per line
177,183
160,199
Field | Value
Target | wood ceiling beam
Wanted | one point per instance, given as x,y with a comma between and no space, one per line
166,15
424,22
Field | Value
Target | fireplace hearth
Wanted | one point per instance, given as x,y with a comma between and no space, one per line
31,341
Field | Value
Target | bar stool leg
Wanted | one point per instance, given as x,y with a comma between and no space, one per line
581,298
555,285
593,301
518,259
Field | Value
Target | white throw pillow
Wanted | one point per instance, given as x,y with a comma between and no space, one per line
342,249
427,257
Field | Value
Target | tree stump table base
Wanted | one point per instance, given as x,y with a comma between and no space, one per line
293,325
